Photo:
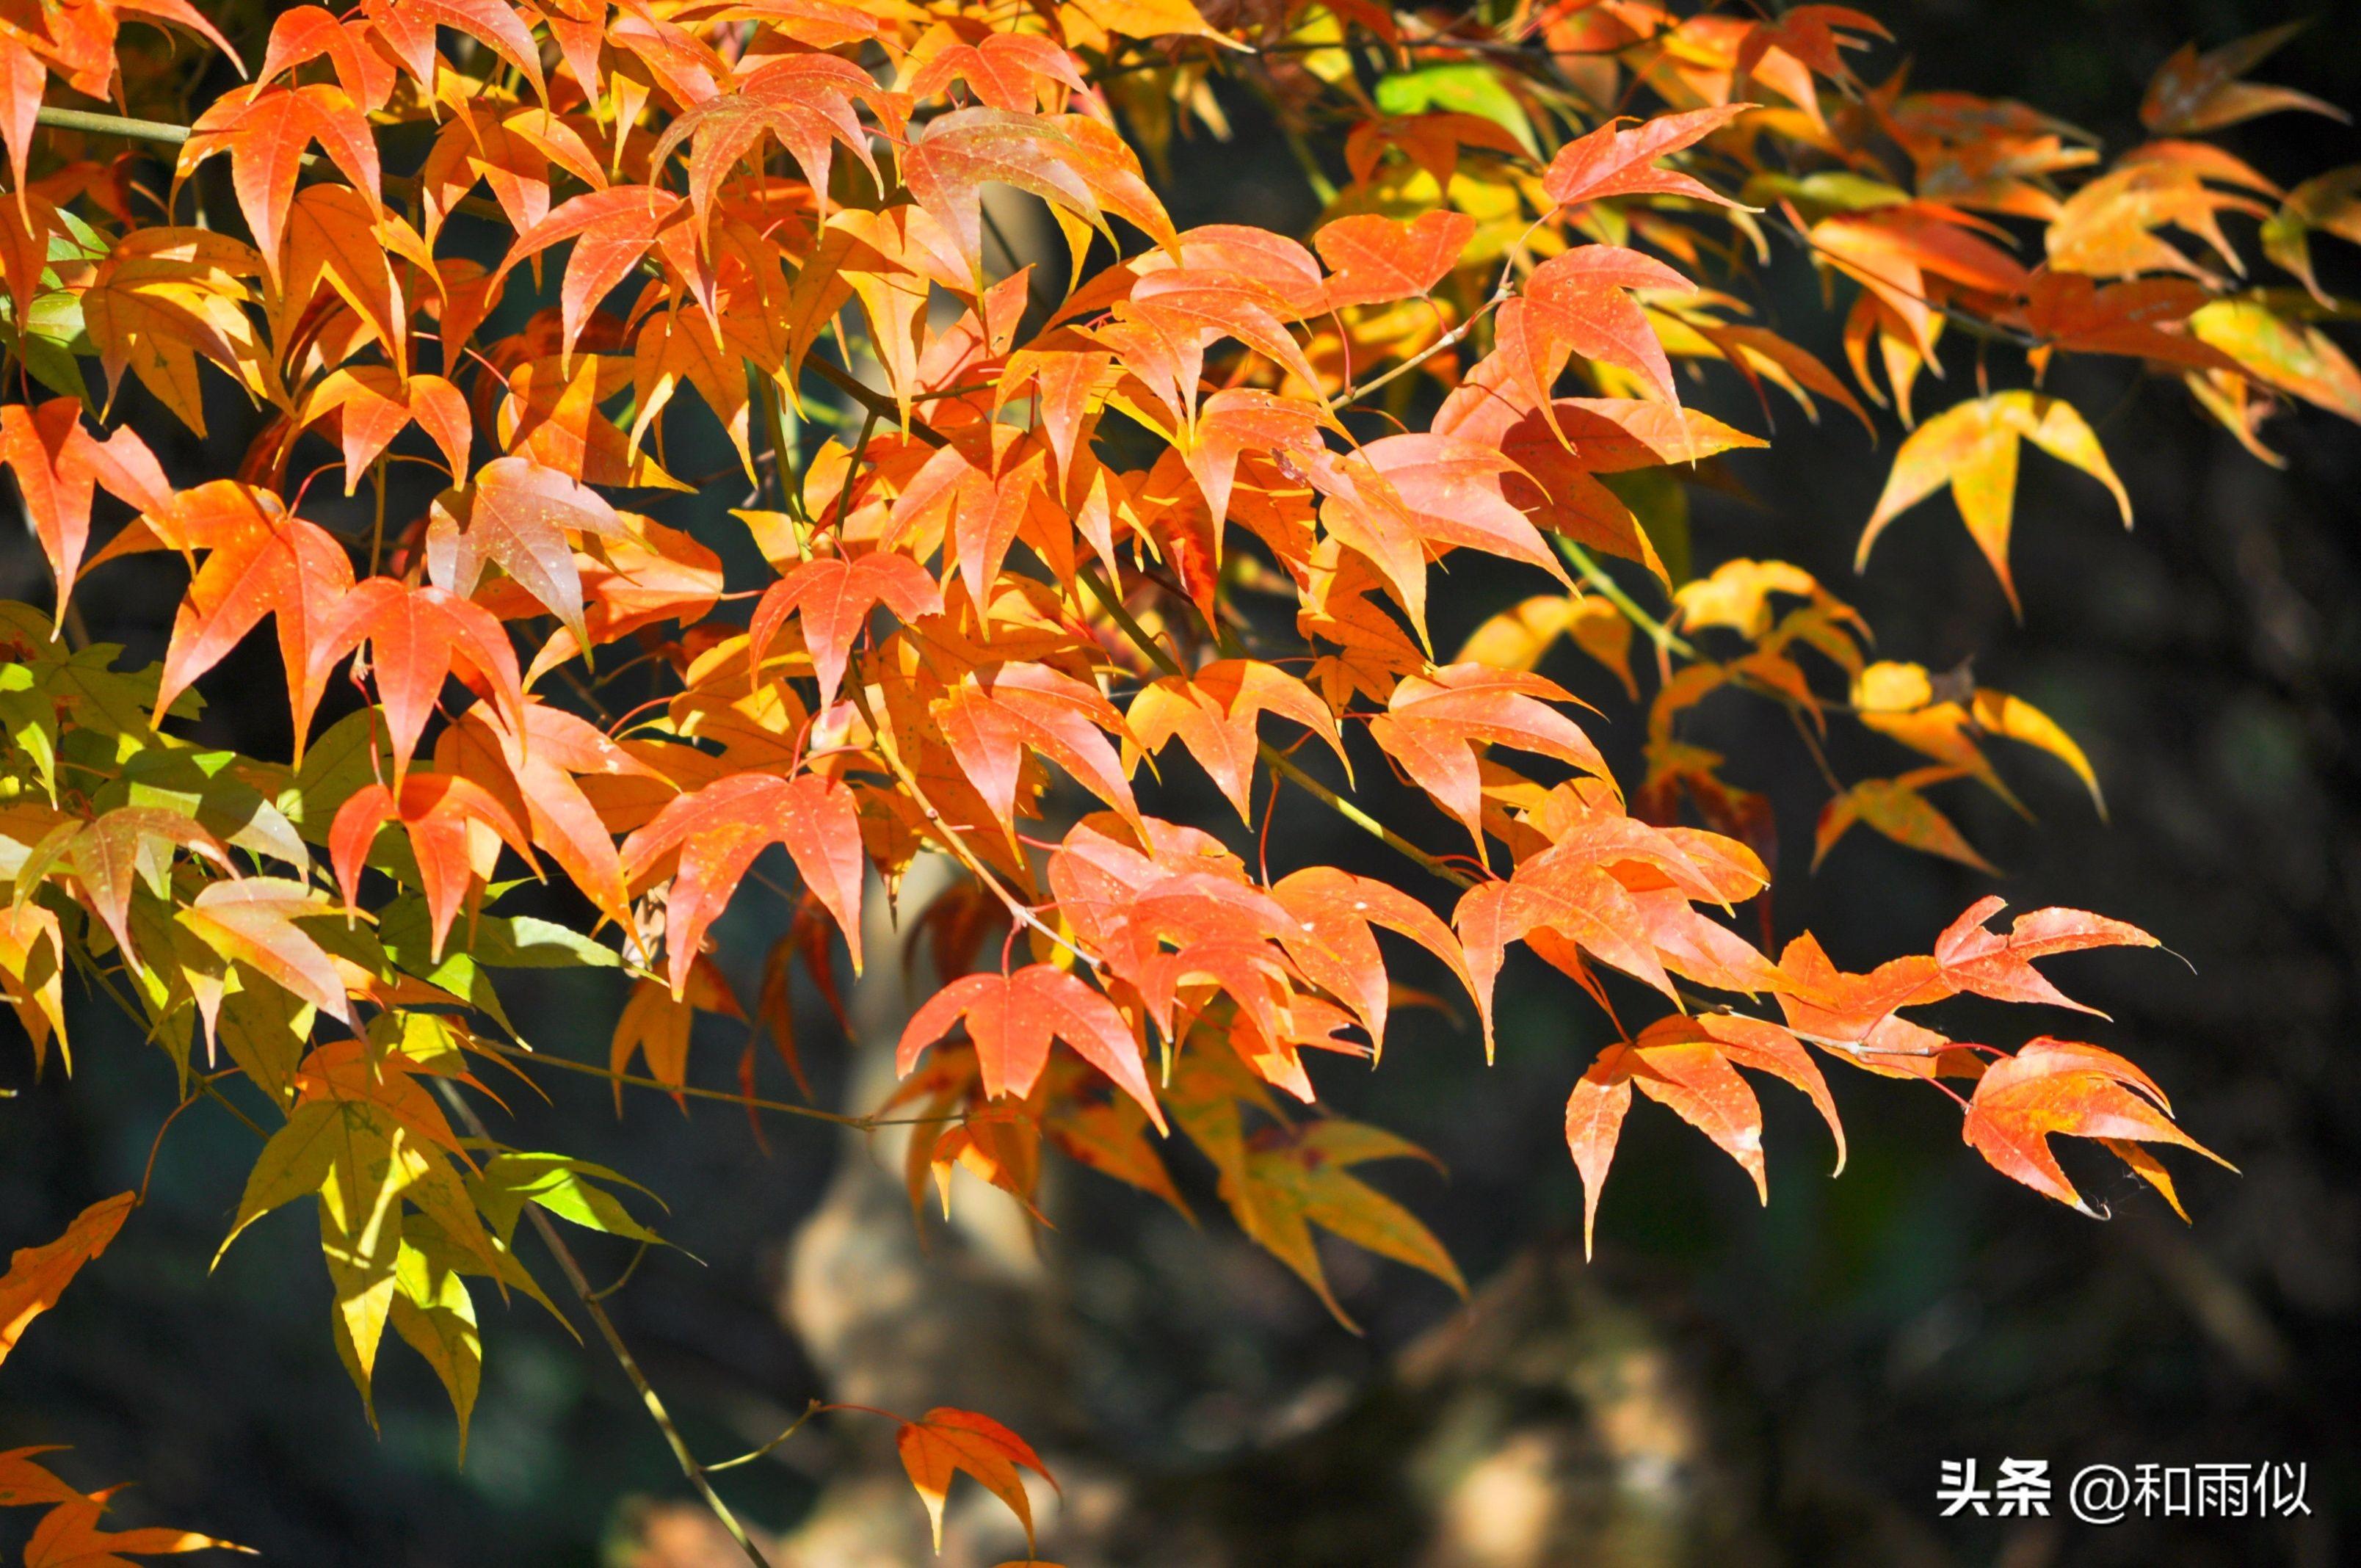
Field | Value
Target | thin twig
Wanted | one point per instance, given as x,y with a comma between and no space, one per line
580,1285
1280,764
796,1426
637,1081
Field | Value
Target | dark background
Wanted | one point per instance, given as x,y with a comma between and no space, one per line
1853,1335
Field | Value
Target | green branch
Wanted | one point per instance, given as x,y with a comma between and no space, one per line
111,126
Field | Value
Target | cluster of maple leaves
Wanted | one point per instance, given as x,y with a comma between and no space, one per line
1025,524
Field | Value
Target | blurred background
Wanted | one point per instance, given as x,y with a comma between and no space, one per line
1724,1383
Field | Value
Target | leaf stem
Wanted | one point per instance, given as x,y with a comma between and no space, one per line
793,1426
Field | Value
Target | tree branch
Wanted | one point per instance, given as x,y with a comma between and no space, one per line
580,1285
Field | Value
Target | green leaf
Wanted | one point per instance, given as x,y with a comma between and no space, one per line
30,721
523,942
404,929
80,242
434,1316
336,766
1462,89
1830,190
199,785
53,364
1658,499
374,1161
109,702
263,1028
446,1223
295,1162
559,1184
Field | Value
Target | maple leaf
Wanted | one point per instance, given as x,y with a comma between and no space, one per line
977,491
436,811
163,299
1580,904
1576,302
1071,161
2055,1086
1229,424
834,597
542,770
612,229
1012,1018
1152,19
1521,636
1431,725
989,723
1455,494
511,151
1898,700
1282,1181
1611,161
1897,808
60,466
655,1022
1892,252
945,1441
2068,311
24,1482
372,405
1213,713
804,99
258,562
1972,447
1812,34
682,345
1976,959
67,1536
1006,71
2286,355
2329,204
417,637
113,853
38,1276
32,957
348,1072
2193,92
2107,228
265,133
252,920
337,236
1330,938
301,34
1760,355
1374,258
709,836
518,514
1689,1066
